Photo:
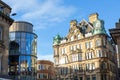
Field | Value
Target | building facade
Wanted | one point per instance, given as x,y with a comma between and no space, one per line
45,70
86,53
115,33
5,22
22,51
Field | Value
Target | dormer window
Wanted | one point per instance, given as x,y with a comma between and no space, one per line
78,36
72,38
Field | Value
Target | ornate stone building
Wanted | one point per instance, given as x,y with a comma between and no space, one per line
115,33
45,70
5,22
86,53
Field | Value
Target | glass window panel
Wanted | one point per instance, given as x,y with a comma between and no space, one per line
79,57
90,44
12,36
17,34
22,51
88,77
23,35
32,42
94,77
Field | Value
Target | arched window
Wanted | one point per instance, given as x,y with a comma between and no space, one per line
1,33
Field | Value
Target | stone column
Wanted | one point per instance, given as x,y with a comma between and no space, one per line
4,62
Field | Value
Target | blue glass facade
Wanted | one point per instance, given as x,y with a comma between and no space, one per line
27,42
22,53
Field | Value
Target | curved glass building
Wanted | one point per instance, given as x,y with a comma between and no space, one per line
22,50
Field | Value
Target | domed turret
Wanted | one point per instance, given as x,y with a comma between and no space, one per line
57,39
99,27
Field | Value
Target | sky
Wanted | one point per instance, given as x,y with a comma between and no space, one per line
52,17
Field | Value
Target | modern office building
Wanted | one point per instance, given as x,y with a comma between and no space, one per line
115,33
22,51
86,53
45,70
5,22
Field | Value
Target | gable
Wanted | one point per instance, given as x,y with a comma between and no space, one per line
79,30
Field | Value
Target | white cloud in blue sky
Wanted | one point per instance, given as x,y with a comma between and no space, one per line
41,12
46,57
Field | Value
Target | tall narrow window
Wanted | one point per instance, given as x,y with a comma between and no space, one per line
80,46
88,78
93,77
92,54
87,45
1,8
90,44
72,38
80,67
63,50
79,57
0,33
99,53
78,36
93,66
89,54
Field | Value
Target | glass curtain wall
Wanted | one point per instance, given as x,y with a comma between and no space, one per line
22,54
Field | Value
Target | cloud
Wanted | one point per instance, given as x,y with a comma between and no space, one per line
45,57
42,11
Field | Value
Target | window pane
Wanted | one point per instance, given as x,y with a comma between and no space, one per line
12,36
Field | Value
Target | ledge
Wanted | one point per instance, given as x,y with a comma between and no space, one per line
6,17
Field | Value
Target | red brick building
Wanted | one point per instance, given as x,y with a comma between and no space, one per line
45,70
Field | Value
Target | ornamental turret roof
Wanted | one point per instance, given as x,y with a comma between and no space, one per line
57,39
99,27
